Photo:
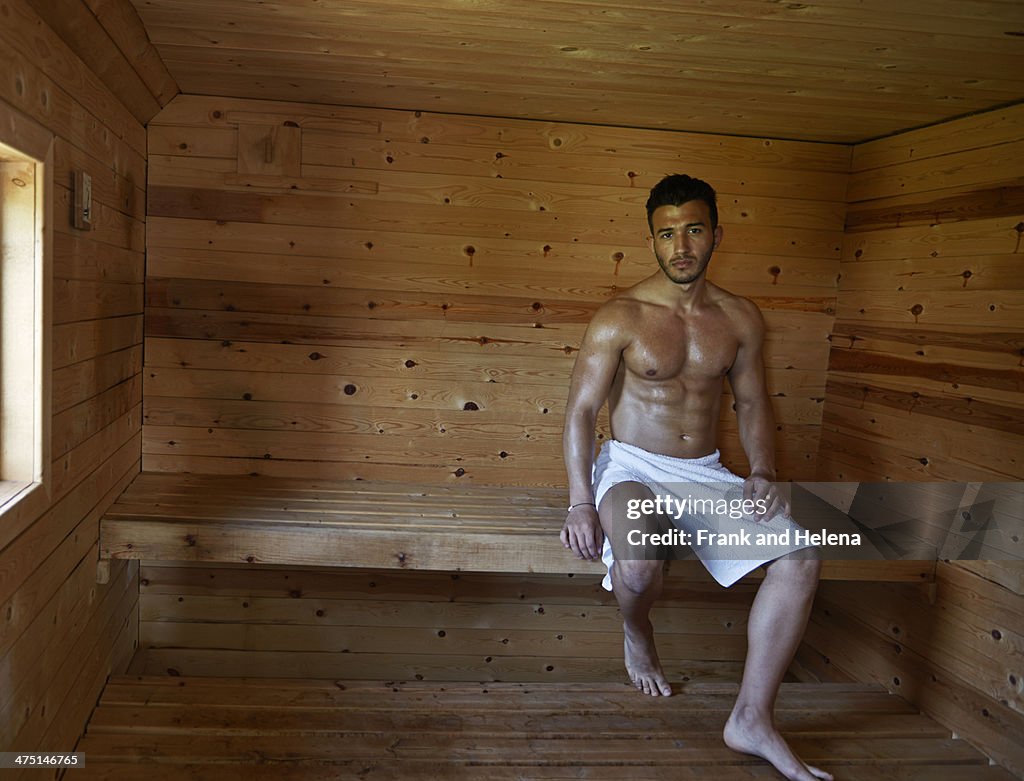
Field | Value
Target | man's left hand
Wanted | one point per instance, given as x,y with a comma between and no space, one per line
761,489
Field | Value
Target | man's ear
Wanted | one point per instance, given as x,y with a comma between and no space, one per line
718,236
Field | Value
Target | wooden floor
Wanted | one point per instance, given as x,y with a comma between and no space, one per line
253,729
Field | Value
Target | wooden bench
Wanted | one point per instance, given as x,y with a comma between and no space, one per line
261,520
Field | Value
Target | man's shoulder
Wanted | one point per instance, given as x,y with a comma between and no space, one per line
736,306
622,308
614,323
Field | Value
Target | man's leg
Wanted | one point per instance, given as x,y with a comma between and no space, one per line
777,621
636,585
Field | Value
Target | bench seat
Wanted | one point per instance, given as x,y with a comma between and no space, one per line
262,520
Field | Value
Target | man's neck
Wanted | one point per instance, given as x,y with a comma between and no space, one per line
682,297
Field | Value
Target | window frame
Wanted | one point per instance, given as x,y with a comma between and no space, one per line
24,141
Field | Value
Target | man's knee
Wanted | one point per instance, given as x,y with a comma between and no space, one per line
801,567
637,575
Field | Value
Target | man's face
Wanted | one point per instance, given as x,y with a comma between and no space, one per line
683,240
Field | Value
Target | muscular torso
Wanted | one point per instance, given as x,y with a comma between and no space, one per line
667,391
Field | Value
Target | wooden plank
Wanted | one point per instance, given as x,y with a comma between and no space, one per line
358,211
122,24
82,32
980,414
710,617
972,648
1009,575
411,666
589,141
402,770
862,363
492,187
944,18
40,539
355,362
658,751
48,67
487,698
869,655
79,257
106,658
986,309
952,204
973,167
76,424
330,723
40,664
967,346
88,340
74,687
972,132
995,236
81,381
469,474
542,645
184,528
76,300
848,455
953,444
941,274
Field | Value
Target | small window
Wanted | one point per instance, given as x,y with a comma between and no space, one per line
26,162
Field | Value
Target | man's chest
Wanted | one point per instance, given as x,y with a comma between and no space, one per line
672,347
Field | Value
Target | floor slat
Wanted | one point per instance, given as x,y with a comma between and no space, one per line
248,729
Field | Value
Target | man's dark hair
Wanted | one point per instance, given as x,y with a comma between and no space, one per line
677,189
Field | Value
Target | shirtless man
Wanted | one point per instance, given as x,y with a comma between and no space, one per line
658,353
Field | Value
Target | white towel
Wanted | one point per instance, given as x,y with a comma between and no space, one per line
692,482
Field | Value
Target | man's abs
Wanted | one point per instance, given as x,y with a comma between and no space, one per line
671,421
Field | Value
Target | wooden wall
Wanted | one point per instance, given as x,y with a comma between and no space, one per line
952,648
387,625
925,372
925,384
357,293
61,634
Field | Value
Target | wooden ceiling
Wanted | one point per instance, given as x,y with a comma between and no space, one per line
824,70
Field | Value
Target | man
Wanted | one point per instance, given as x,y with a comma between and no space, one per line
658,353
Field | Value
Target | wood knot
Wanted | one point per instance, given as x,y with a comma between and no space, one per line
190,540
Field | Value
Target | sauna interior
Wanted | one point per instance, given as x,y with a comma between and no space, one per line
284,377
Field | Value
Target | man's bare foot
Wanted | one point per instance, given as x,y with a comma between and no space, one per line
642,662
749,733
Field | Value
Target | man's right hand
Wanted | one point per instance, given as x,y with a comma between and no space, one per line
582,532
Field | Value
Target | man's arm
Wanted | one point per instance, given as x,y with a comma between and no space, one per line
754,414
592,377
